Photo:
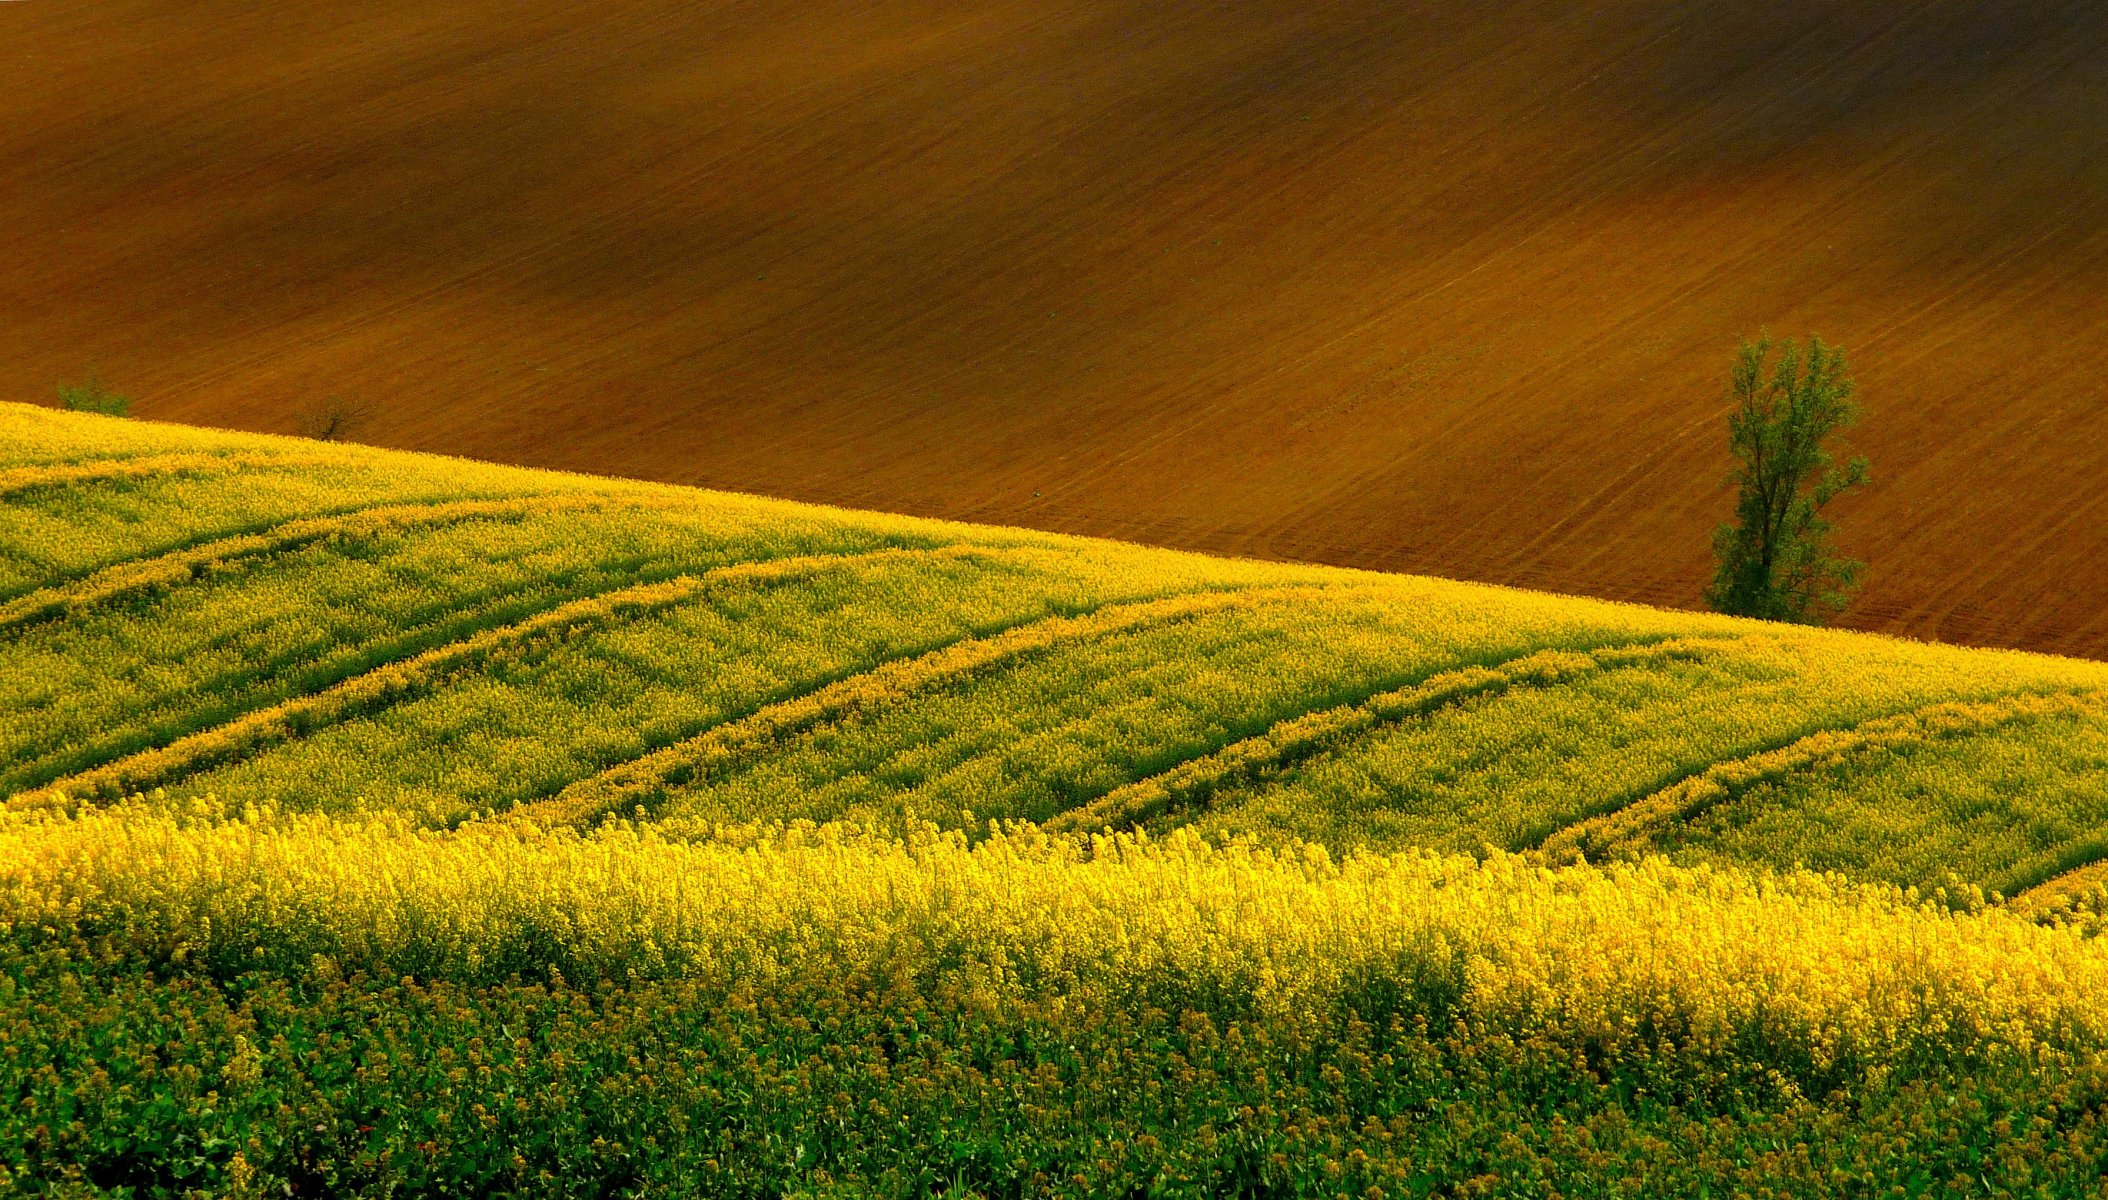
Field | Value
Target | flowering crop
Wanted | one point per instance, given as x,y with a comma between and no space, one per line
389,683
817,981
182,566
1513,769
1840,971
1635,826
381,824
644,781
1273,752
145,466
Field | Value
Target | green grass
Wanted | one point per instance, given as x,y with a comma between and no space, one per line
379,705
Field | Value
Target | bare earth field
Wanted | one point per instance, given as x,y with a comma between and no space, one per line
1440,287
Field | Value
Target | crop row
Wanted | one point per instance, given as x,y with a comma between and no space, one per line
1832,976
1191,784
522,727
394,681
182,566
1029,741
15,480
1970,817
117,679
2076,899
644,782
113,657
1637,826
1512,768
56,536
1055,731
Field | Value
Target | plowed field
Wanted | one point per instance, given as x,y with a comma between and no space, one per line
1440,287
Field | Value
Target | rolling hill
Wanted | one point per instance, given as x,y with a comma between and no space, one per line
1448,288
339,630
381,823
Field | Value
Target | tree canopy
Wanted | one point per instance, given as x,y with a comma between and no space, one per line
1775,557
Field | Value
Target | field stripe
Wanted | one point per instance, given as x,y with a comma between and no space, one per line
2058,890
396,681
175,567
645,780
1197,781
144,466
1628,827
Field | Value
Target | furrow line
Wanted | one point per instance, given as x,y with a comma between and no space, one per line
22,479
1196,782
644,781
2061,892
1626,828
394,682
177,567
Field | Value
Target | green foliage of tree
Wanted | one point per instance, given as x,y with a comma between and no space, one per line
1775,557
92,397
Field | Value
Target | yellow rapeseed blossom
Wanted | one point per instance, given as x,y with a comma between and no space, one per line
1800,959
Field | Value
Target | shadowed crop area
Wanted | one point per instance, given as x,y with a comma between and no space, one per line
1438,286
380,824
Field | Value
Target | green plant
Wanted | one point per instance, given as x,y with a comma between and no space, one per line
1775,558
91,396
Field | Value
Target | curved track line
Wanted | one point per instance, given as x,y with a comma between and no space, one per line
645,780
180,566
2059,890
146,466
1195,782
393,682
1628,827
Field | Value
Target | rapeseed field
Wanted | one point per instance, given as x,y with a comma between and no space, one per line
380,824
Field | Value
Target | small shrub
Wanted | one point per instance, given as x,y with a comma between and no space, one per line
92,397
334,418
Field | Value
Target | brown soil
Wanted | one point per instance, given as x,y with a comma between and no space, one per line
1436,285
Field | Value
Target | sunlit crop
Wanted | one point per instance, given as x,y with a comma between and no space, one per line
380,824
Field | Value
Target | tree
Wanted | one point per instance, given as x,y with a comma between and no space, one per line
333,418
1775,557
93,397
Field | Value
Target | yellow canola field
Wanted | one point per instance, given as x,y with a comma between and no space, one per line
282,623
1618,956
720,811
